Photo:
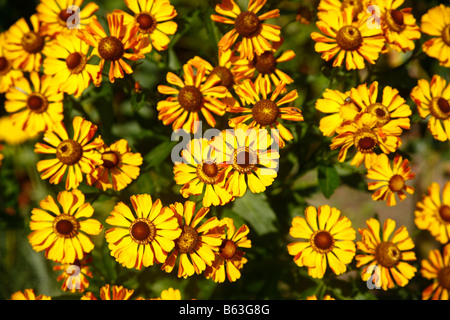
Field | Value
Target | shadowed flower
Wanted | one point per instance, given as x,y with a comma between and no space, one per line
108,292
76,155
344,39
433,103
7,73
74,275
169,294
197,243
359,7
255,35
391,180
112,48
433,214
437,268
388,251
197,94
153,18
34,108
437,24
28,294
119,168
328,240
229,259
59,16
62,233
142,238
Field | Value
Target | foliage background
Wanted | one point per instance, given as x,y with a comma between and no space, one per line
309,172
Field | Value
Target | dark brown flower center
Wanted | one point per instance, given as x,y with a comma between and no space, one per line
247,24
210,169
265,63
187,240
245,159
69,152
142,231
146,22
396,183
228,249
322,241
444,213
37,103
446,35
65,14
65,225
111,48
225,75
387,254
365,140
395,20
76,62
444,278
110,159
349,38
440,108
32,42
381,112
190,98
5,66
265,112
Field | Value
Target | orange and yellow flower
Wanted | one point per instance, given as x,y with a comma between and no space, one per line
433,103
169,294
262,104
390,180
386,253
108,292
119,166
7,73
74,275
433,212
343,38
255,36
76,155
197,243
437,268
229,259
67,60
327,239
24,44
28,294
63,234
154,20
436,24
59,16
360,7
37,107
112,48
142,238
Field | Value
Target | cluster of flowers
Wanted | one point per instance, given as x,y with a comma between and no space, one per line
42,62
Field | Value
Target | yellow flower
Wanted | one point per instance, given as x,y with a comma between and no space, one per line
24,44
74,280
197,94
340,107
329,241
67,60
432,214
112,48
255,35
229,259
364,134
344,39
399,26
144,237
120,166
436,24
34,108
251,160
196,244
153,18
169,294
76,155
108,292
326,297
359,7
265,65
7,73
59,16
386,251
433,102
437,267
28,294
262,105
391,181
12,134
62,233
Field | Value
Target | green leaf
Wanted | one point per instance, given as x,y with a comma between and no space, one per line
158,154
255,209
328,180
